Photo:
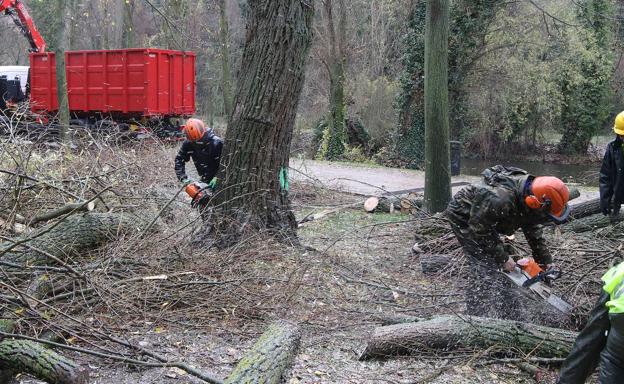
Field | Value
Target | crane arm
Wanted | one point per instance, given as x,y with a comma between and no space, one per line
17,10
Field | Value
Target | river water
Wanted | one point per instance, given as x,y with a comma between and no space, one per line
584,174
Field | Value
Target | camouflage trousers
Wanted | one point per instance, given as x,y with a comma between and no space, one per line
489,293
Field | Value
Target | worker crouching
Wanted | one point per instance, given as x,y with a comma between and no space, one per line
506,200
204,147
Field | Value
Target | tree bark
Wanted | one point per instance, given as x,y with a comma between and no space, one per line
446,333
254,194
224,37
584,209
72,236
24,356
437,150
270,358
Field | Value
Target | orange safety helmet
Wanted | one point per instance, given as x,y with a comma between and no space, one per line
194,129
551,193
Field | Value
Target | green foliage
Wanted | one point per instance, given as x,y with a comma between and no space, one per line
586,79
373,105
470,20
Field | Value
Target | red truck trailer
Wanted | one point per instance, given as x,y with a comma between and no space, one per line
120,88
139,87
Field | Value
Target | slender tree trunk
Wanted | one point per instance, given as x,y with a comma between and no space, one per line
437,151
63,13
224,37
254,192
128,24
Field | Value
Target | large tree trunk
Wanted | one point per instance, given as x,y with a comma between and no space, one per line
270,358
437,151
72,236
224,37
254,193
446,333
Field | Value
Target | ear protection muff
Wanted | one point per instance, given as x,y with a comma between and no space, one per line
532,202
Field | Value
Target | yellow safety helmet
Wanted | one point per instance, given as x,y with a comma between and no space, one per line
618,127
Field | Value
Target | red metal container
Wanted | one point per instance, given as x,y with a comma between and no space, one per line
43,97
131,82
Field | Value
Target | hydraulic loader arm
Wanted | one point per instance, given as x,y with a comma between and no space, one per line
17,10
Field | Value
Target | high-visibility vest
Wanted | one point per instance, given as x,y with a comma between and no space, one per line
614,286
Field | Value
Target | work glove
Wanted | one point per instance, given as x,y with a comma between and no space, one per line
509,265
213,183
186,181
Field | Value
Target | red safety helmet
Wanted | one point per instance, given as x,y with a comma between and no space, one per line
194,129
552,194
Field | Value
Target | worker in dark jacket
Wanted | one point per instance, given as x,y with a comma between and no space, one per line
506,200
602,339
612,172
204,147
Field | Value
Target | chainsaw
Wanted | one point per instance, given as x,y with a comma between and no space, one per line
529,275
199,192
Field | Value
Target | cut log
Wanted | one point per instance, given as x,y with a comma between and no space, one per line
433,264
584,209
25,356
371,204
591,223
446,333
379,204
69,208
270,358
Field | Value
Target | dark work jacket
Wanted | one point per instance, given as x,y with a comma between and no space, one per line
590,342
206,154
482,212
612,177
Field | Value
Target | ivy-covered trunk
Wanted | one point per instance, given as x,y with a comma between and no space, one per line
253,194
469,24
335,135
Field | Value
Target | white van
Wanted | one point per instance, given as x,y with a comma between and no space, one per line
13,71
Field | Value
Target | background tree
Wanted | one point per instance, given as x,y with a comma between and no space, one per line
586,80
224,37
335,133
254,189
437,169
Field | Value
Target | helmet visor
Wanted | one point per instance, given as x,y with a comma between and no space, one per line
560,217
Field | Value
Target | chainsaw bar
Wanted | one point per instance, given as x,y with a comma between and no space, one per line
538,289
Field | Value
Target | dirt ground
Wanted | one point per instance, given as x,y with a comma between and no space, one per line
352,272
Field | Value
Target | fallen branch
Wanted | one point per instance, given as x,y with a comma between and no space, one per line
66,209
